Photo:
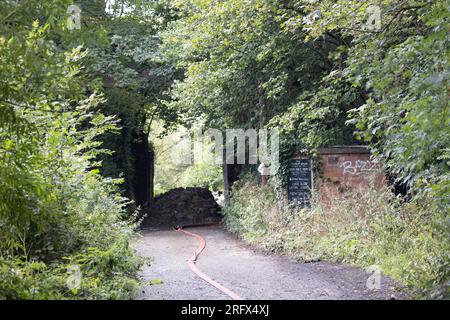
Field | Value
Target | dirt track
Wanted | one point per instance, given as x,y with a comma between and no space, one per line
250,274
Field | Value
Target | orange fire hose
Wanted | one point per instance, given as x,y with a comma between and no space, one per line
193,267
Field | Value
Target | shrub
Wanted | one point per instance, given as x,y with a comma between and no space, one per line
56,211
408,241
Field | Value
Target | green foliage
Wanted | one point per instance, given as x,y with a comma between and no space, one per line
135,80
408,241
240,67
403,71
311,68
247,65
316,71
55,207
105,274
170,173
204,174
246,213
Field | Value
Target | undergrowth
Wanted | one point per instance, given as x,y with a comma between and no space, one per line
407,240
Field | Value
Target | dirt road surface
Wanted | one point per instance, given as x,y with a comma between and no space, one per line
250,274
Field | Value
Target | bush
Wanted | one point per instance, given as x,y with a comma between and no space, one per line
408,241
63,232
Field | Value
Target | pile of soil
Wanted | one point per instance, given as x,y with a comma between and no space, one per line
182,206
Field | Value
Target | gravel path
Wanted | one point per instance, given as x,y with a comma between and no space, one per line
250,274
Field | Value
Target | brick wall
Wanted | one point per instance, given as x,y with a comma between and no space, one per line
346,168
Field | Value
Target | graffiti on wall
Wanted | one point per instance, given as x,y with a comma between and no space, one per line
359,167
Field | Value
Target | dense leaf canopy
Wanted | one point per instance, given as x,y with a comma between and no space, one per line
75,101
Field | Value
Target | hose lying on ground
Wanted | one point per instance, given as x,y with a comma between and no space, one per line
193,267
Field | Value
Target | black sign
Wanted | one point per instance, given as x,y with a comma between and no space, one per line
300,182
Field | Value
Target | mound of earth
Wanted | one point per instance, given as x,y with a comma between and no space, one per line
182,206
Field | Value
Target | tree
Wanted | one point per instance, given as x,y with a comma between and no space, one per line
135,82
402,71
56,210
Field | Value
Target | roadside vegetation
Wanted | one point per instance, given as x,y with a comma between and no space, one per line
65,230
407,241
323,75
78,107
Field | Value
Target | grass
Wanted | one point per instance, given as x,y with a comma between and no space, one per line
407,240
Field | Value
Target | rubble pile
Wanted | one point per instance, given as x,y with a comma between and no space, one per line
182,206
